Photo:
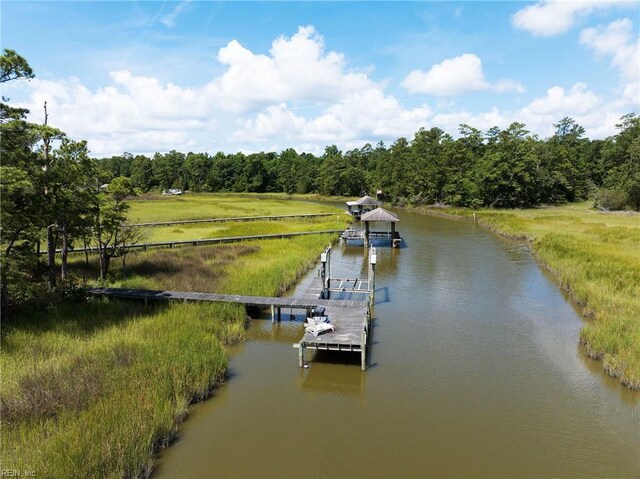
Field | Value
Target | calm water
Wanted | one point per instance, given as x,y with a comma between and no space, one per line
475,371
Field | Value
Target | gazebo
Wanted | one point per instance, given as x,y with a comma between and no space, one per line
380,215
363,205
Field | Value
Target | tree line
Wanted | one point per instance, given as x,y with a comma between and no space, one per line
53,193
498,168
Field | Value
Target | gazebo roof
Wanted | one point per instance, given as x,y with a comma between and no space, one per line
365,200
380,214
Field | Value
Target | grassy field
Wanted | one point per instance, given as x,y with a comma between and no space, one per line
92,388
220,230
205,206
596,256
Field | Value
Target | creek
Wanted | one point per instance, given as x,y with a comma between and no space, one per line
474,371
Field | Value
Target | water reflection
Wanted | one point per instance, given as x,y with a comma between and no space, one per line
345,380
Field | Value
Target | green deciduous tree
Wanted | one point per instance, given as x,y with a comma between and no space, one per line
110,231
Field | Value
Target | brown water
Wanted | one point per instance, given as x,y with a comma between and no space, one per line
475,371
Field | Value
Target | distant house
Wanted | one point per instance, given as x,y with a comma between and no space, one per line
173,191
359,207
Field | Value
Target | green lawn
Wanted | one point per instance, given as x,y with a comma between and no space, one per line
204,206
232,228
596,256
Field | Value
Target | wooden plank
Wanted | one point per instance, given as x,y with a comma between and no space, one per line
228,239
235,219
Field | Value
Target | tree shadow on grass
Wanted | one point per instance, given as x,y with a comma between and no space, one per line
199,269
76,318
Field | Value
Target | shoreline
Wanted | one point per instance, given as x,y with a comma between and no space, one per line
559,279
165,442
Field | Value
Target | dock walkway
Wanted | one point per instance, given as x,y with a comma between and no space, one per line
199,242
255,301
350,318
232,219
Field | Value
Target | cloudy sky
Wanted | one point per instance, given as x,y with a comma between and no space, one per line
245,76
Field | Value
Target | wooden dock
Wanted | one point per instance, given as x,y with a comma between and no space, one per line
254,301
233,219
366,235
200,242
350,318
352,234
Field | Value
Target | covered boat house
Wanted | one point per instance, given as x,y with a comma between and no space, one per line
363,205
378,215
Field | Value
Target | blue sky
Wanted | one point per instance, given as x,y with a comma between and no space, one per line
251,76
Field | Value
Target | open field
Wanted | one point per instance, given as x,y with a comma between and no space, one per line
596,256
227,229
203,206
92,388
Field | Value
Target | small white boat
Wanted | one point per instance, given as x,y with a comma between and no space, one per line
318,325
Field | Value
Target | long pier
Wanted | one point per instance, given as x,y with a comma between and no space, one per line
235,219
200,242
350,318
253,301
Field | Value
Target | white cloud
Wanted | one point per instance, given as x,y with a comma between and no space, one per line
631,94
297,95
507,84
369,113
589,110
557,102
617,41
357,117
585,107
455,76
276,122
553,17
451,77
297,68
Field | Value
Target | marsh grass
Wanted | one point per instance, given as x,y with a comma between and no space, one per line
91,389
96,403
202,268
596,256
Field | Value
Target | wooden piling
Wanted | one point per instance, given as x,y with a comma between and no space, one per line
301,355
363,353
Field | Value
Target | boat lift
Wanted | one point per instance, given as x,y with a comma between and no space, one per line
347,285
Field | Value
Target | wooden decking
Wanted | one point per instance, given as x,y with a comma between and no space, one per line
353,234
201,242
255,301
350,318
234,219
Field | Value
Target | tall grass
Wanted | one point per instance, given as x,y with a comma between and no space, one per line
92,389
596,256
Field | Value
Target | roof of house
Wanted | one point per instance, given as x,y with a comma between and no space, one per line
379,214
365,200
